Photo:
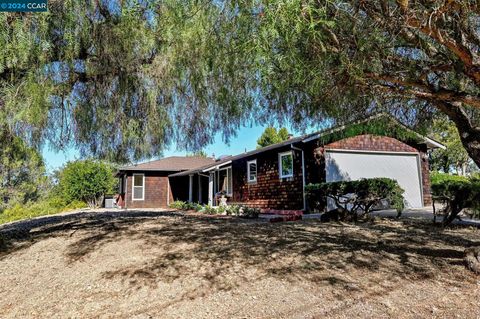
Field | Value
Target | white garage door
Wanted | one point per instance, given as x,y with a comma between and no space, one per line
402,167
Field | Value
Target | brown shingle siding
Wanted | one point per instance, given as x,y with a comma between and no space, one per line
269,191
156,191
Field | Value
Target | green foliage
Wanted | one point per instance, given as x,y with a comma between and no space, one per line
22,172
383,125
46,206
210,210
454,157
200,153
271,136
242,211
357,197
180,205
86,181
230,210
459,194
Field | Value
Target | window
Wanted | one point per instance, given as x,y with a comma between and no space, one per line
138,187
252,171
285,164
225,180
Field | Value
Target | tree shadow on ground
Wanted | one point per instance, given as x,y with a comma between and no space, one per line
22,234
222,254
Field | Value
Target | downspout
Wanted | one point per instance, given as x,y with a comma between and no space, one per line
303,175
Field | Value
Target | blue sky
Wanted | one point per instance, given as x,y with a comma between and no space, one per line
246,139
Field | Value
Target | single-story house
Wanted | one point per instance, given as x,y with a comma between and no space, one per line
274,177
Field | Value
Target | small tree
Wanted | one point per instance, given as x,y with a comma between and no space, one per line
87,181
272,136
459,194
354,199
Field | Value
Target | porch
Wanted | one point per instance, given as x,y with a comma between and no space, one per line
205,186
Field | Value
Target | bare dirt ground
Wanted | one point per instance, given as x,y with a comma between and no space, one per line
159,265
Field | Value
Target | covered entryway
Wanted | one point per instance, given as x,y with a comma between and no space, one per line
344,165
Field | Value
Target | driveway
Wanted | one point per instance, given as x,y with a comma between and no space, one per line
425,214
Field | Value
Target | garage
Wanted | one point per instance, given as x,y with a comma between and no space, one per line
345,165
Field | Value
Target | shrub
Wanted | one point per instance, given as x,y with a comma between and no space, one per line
86,181
357,197
242,211
181,205
209,210
459,193
47,206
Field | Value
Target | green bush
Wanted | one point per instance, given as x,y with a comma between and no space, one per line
355,198
209,210
242,211
180,205
86,181
48,206
459,194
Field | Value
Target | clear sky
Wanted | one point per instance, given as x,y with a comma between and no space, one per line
246,139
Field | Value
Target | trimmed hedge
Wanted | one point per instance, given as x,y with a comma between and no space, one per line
458,192
356,198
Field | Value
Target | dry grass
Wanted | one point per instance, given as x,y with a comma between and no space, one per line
147,264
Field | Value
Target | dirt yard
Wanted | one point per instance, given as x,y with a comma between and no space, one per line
157,265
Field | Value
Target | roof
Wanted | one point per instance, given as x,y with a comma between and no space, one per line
305,139
171,164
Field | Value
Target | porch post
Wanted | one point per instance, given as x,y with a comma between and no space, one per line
199,188
210,189
190,188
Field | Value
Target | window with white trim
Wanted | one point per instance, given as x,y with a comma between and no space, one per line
252,171
138,187
285,163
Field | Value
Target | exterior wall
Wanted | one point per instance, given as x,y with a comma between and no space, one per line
269,191
387,144
156,191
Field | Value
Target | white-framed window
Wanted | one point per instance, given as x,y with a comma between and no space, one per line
252,171
225,180
138,187
285,164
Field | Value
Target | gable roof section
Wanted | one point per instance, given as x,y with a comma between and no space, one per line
328,136
171,164
379,124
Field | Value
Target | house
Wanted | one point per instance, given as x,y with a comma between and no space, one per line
274,177
147,185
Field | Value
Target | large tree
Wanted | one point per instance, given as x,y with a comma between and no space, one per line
344,59
123,79
22,172
119,79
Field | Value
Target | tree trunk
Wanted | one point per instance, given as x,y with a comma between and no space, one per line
469,135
